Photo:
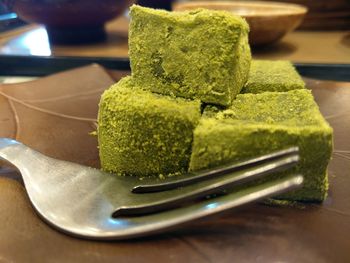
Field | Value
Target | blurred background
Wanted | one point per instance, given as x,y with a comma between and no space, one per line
299,30
322,14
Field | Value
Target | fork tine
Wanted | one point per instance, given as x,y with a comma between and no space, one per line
254,172
212,173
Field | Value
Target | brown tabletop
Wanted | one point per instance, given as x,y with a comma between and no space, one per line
299,46
254,233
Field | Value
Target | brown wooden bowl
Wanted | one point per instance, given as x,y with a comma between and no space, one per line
325,14
71,20
268,21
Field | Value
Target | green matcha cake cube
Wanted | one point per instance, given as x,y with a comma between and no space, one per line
257,124
199,54
142,134
268,75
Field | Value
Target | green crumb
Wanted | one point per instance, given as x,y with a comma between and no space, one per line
283,203
201,54
257,124
143,134
93,133
276,76
174,174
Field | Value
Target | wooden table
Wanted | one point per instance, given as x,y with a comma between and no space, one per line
254,233
299,46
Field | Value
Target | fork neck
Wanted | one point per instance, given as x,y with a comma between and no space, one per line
15,152
6,142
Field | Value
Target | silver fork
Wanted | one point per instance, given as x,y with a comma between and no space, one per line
89,203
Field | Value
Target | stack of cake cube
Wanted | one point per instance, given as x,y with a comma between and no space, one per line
195,99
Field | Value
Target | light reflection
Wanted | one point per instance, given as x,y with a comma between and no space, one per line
117,222
38,42
9,16
35,42
211,205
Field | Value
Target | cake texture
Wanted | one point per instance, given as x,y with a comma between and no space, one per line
201,54
257,124
142,134
268,75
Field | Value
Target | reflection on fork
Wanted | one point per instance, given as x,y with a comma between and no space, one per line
89,203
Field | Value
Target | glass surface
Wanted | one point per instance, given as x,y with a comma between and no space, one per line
34,43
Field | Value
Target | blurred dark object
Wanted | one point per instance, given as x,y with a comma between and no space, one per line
9,21
325,14
160,4
4,9
70,21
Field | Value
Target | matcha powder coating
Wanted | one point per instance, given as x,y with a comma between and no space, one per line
181,110
200,54
276,76
142,134
258,124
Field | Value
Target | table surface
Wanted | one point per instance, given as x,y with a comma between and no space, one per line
298,46
255,233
